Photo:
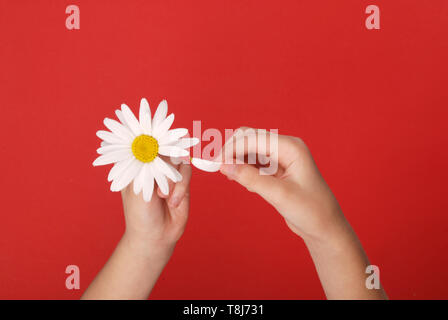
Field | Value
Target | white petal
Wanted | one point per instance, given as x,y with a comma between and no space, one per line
145,116
187,142
112,147
160,114
112,157
173,151
148,184
206,165
119,130
167,170
160,179
121,118
139,180
109,137
172,136
104,143
127,176
131,120
118,168
160,130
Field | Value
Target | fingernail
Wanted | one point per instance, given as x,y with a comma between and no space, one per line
228,170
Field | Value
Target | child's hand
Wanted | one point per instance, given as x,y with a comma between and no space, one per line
301,196
297,190
152,230
161,222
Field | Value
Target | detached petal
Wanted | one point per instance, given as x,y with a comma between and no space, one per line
206,165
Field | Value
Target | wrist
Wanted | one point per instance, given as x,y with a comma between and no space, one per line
330,227
146,247
335,240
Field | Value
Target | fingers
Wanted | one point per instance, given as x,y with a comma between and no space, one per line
269,187
258,143
280,152
181,189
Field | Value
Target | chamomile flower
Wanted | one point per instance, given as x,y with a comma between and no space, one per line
135,148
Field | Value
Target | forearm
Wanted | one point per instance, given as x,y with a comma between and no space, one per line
131,272
341,263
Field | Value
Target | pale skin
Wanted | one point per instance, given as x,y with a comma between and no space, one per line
297,191
152,231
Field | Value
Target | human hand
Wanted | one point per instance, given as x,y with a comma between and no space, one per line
297,190
152,230
161,222
300,194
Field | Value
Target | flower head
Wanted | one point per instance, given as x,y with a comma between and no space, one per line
136,147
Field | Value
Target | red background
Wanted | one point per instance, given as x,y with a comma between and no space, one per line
371,105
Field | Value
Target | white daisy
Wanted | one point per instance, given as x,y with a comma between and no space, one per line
135,146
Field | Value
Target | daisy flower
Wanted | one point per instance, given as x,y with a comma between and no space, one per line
135,148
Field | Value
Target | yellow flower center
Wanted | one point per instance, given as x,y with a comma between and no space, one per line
145,148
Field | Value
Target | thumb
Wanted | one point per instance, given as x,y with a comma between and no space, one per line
270,188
